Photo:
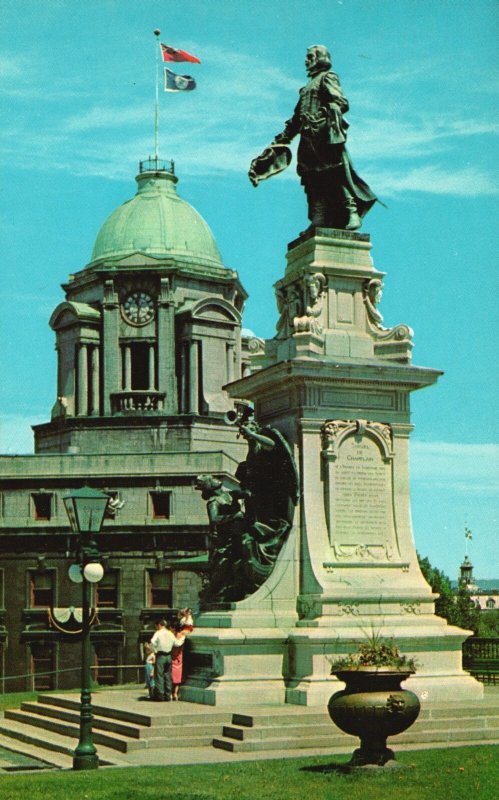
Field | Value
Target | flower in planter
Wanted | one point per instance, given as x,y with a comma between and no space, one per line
375,652
373,704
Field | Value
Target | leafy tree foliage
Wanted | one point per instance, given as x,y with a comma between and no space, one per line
456,607
489,624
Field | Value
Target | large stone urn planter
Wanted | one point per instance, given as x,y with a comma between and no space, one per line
373,706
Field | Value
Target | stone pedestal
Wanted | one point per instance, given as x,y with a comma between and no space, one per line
337,384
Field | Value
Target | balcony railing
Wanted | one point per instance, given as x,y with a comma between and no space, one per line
156,165
137,401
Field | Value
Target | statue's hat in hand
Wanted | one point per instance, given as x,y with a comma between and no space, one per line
273,160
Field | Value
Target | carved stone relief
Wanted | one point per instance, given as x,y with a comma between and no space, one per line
395,343
300,305
358,493
313,296
410,608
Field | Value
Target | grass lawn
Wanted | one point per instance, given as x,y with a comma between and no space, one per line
453,774
14,699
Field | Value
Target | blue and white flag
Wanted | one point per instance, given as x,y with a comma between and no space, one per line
178,83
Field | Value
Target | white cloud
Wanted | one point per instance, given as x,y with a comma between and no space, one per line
224,124
106,116
388,137
465,182
465,468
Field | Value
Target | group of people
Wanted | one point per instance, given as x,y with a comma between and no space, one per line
164,656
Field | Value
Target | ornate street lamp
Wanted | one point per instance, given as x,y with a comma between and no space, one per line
86,508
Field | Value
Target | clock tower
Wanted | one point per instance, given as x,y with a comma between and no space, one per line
149,332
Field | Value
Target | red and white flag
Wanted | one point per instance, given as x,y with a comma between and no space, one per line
169,53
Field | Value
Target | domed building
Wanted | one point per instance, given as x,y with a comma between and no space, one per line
149,328
146,337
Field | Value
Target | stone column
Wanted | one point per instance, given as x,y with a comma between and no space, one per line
230,362
95,381
127,368
152,369
193,407
111,354
182,378
166,378
82,380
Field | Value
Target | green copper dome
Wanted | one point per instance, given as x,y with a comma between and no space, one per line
158,223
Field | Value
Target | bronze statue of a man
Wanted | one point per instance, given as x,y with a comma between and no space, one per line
337,197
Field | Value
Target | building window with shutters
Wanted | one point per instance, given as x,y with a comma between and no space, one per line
159,588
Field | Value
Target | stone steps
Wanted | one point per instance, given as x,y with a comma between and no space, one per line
52,723
50,727
34,722
56,749
185,725
305,730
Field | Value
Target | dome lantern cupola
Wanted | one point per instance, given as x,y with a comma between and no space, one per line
156,222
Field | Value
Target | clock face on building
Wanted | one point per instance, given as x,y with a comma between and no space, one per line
138,308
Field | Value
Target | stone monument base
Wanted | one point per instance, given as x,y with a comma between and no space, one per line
260,666
336,384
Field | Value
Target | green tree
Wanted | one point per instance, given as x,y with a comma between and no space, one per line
456,607
441,585
466,612
489,624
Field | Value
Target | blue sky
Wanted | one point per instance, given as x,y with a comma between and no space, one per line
77,104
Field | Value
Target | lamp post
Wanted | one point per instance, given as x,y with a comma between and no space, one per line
86,508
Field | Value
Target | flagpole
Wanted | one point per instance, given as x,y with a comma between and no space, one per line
157,34
467,536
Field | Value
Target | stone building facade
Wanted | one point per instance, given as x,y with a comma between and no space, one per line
146,337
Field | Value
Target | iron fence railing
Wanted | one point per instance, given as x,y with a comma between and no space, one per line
123,673
481,659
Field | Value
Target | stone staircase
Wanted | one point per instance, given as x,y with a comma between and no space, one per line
52,724
307,729
128,732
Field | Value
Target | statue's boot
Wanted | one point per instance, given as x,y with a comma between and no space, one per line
317,212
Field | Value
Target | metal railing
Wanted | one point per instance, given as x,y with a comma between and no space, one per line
136,676
156,165
133,400
481,659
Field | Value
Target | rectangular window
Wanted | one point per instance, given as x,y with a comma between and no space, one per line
160,588
42,666
140,365
160,505
41,586
42,505
106,590
106,663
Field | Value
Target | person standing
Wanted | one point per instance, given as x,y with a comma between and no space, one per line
163,642
186,620
177,658
149,659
